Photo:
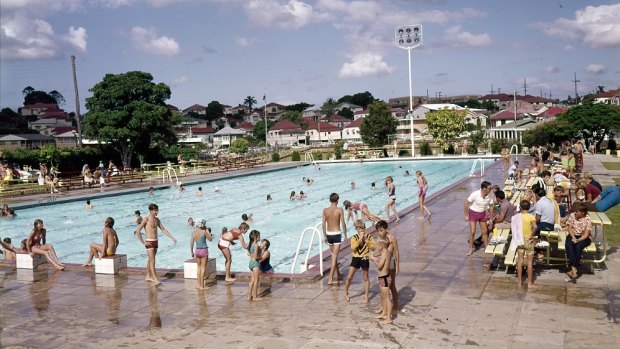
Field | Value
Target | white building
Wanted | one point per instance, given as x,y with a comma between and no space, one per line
351,133
286,132
224,137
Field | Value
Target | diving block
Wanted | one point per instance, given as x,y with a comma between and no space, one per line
111,264
190,268
25,261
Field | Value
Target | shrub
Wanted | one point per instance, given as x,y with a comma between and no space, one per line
472,149
338,149
425,149
497,145
317,155
275,157
404,152
450,150
295,156
611,145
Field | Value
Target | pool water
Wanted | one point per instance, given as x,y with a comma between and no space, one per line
71,228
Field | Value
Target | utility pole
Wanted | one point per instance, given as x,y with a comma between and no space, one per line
524,87
499,90
576,81
77,103
492,90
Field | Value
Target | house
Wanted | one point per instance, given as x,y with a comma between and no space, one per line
322,132
173,108
504,117
48,126
499,99
204,133
420,128
240,109
247,127
504,101
224,137
196,108
273,110
25,141
36,109
360,114
350,106
66,139
351,133
253,117
545,112
286,132
312,111
513,131
610,97
337,120
227,109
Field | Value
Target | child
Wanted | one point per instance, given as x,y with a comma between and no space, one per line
88,205
199,192
422,188
109,245
361,244
523,225
200,235
268,197
352,209
302,195
247,218
9,250
293,196
333,220
138,217
254,265
265,266
382,229
353,185
391,203
150,225
227,239
372,186
383,265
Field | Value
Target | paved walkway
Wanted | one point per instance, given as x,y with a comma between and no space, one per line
448,300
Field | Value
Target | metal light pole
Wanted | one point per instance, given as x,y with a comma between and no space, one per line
409,37
265,102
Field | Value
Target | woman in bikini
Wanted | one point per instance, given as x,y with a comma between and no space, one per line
422,188
391,203
228,239
254,265
352,209
36,245
200,236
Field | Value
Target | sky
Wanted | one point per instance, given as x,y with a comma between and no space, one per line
307,51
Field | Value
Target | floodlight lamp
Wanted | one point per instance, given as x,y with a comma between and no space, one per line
401,41
416,29
408,40
416,40
400,31
408,30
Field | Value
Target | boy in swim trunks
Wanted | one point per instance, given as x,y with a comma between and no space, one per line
333,220
150,224
110,243
138,217
382,229
383,265
361,244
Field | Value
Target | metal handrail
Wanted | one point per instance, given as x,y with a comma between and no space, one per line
473,168
516,148
315,231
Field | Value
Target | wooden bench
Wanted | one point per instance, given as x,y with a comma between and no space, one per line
498,249
126,178
111,264
190,268
72,182
25,261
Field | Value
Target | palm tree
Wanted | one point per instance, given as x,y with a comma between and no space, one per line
249,101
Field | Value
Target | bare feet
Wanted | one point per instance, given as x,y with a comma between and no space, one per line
397,220
386,322
380,316
364,301
156,282
258,298
87,265
532,286
230,279
346,297
249,298
148,279
379,311
471,251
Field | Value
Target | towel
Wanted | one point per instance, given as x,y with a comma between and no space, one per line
516,225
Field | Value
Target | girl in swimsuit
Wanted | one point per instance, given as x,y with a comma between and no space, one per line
228,239
254,265
391,203
422,188
352,209
200,235
36,245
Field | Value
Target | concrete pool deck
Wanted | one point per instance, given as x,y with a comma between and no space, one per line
449,300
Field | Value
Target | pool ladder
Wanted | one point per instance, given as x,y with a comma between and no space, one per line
473,168
315,232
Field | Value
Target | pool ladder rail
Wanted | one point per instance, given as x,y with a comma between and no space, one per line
304,266
473,168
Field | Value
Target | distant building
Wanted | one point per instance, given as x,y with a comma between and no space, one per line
351,132
286,132
610,97
337,120
196,108
25,141
224,137
322,132
49,126
512,131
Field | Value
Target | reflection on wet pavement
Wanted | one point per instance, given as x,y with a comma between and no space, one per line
448,300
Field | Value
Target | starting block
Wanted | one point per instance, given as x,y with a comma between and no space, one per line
190,268
25,261
110,265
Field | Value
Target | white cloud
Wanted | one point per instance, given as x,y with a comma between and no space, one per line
568,47
595,26
363,65
552,69
291,15
244,42
26,38
454,36
180,80
146,40
596,68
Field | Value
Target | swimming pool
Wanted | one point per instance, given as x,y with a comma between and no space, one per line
71,228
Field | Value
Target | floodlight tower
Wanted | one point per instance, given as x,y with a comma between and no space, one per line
409,37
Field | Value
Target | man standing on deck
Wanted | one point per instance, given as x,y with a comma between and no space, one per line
476,209
333,220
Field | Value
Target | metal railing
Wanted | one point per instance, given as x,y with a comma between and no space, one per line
315,232
473,168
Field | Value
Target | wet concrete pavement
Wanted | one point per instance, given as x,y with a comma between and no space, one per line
448,300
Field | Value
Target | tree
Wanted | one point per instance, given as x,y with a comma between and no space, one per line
250,102
27,90
214,110
39,97
548,132
239,146
362,99
58,97
379,123
328,108
128,111
445,125
346,113
595,120
259,130
298,107
292,115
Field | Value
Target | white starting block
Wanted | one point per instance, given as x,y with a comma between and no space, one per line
24,261
190,268
110,265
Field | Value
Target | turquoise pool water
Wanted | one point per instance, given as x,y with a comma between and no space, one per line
71,228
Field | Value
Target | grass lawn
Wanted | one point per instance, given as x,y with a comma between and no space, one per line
612,165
